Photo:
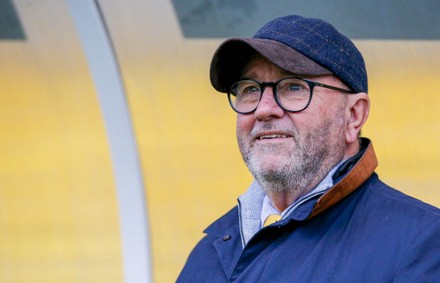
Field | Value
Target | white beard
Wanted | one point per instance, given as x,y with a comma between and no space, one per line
294,169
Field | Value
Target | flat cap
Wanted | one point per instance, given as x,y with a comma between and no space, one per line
303,46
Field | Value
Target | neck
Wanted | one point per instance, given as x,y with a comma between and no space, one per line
282,200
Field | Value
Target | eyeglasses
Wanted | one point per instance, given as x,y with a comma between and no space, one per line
292,94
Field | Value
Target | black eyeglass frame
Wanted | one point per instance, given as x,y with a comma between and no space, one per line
311,84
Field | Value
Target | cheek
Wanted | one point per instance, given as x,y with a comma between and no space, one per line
319,117
244,125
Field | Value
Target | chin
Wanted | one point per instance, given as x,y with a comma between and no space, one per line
266,164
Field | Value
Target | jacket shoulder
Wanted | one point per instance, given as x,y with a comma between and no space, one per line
399,201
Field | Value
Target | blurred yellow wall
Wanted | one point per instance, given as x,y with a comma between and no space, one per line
404,121
58,208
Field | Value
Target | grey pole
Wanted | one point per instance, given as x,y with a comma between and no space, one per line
106,76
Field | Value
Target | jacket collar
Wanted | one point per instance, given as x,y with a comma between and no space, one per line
362,169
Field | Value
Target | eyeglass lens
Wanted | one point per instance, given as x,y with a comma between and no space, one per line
290,93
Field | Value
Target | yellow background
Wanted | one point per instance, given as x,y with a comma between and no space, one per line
58,206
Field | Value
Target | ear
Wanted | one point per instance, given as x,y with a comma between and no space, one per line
358,108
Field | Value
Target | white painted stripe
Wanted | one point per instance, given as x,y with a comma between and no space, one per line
129,182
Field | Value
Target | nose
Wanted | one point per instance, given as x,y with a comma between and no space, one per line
268,107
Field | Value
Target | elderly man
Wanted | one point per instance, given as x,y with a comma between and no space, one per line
317,211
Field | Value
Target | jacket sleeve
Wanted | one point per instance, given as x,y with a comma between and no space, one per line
421,262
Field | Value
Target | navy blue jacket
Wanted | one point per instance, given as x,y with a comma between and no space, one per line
361,230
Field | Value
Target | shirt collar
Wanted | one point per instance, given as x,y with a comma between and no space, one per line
255,206
324,185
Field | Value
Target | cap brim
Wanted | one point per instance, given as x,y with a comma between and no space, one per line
232,55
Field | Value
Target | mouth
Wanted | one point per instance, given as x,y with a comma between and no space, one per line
272,136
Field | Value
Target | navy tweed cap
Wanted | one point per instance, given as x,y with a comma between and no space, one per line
303,46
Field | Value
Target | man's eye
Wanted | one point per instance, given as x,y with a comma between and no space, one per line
250,89
295,87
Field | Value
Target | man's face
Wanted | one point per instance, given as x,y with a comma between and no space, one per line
292,151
